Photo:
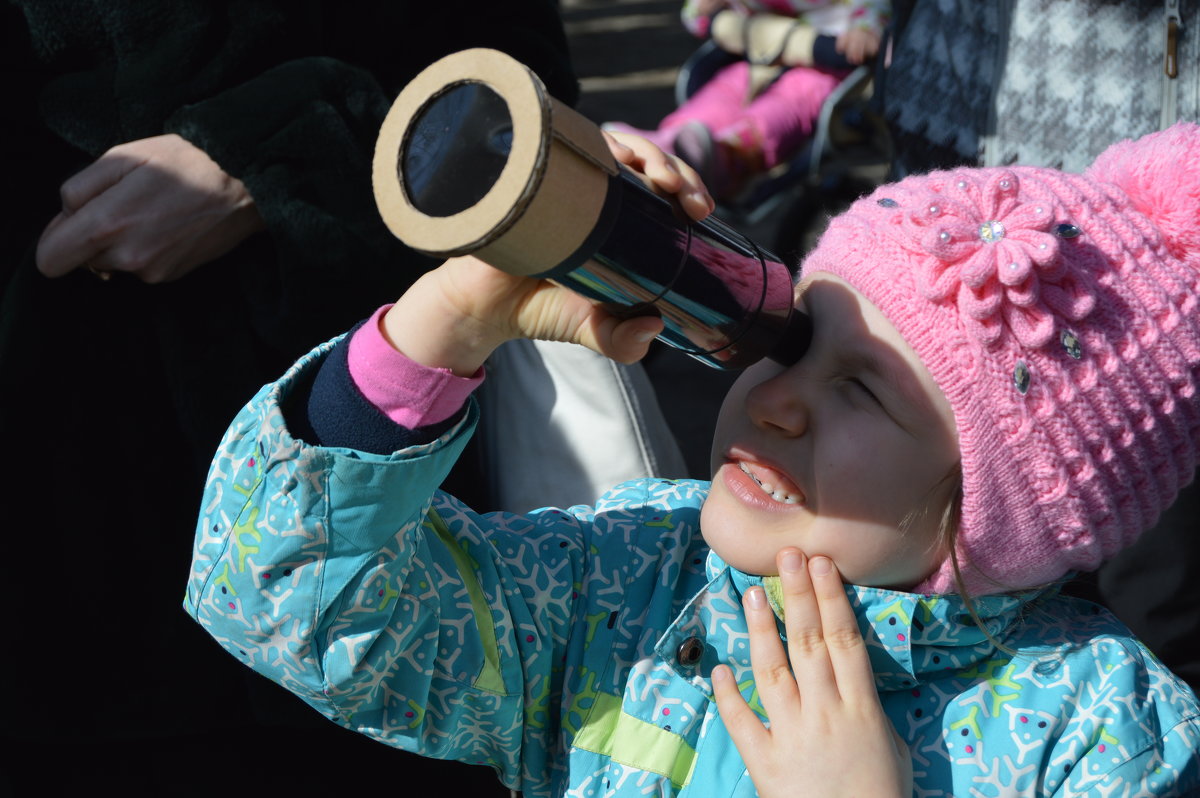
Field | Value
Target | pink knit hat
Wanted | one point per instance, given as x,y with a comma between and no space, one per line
1060,315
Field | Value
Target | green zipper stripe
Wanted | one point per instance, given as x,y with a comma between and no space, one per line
633,742
490,678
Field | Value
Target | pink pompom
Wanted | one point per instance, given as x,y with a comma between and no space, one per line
1160,173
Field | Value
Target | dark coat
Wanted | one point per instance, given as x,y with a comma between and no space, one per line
101,380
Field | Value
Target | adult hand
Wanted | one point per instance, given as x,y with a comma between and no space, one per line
828,735
455,316
858,45
155,208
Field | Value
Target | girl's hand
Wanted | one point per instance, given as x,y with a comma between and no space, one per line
668,174
828,734
455,316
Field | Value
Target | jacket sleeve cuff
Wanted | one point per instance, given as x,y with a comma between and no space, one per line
332,412
407,392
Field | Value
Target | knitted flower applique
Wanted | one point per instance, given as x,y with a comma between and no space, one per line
996,257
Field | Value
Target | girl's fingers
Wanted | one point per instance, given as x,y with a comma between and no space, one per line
630,339
805,627
847,652
666,173
772,672
744,727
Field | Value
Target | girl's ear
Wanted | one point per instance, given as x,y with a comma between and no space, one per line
1160,173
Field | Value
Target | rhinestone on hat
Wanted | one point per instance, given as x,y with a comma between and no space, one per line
1070,343
887,202
1066,230
1022,377
991,232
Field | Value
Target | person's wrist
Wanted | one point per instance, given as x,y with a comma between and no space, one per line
247,217
430,329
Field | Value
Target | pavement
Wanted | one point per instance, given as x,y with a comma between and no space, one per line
627,54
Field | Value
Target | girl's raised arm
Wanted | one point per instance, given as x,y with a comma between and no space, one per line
457,314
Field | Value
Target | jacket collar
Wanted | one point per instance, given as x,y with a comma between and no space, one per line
913,638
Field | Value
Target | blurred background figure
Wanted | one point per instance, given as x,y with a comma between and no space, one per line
1038,82
781,60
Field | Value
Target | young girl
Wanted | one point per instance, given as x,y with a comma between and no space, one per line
1000,390
758,111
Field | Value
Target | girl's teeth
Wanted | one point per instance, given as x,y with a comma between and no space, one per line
769,489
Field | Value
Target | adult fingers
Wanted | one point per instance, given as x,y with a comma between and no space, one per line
847,653
68,242
103,173
82,231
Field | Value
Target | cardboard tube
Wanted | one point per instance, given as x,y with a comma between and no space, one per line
475,157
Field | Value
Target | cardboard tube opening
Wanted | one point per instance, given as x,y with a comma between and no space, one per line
455,149
476,157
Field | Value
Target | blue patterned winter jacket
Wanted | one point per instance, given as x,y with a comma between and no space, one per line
571,649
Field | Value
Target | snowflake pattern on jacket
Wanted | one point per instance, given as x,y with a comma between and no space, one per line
571,649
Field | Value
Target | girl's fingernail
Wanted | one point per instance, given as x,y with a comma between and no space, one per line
699,197
820,566
791,561
756,597
642,336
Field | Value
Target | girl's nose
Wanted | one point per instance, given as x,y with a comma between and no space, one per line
777,404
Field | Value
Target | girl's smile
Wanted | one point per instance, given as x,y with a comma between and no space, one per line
777,486
840,454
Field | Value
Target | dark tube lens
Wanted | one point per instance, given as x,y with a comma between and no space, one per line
456,149
793,343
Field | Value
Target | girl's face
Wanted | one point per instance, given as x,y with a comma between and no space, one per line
833,453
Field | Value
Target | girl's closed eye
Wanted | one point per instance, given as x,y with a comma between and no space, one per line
860,390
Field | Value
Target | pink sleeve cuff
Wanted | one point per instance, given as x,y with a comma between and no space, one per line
409,393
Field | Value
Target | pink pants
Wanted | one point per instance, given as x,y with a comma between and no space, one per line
782,117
